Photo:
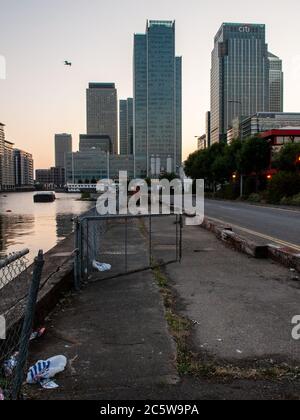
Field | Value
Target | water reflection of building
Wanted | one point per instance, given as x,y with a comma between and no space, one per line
64,225
12,228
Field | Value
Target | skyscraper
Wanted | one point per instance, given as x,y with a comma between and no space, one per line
239,75
126,126
7,176
2,142
102,111
207,128
63,145
23,167
275,83
157,100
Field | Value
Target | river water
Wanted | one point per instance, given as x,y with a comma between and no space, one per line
25,224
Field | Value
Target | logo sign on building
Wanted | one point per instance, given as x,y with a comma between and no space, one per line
2,328
2,68
244,29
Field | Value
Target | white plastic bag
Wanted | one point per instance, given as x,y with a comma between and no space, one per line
46,369
101,266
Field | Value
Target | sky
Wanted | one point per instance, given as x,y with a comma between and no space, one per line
41,97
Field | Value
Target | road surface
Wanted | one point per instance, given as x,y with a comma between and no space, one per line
266,224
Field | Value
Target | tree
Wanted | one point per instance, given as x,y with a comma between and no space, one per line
254,156
283,184
287,158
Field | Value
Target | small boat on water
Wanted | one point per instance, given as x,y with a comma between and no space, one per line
44,197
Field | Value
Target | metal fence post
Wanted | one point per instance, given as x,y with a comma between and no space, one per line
27,325
180,239
126,244
150,241
77,274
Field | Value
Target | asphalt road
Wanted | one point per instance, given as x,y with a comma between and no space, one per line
266,224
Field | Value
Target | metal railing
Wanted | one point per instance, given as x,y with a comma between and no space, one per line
126,244
19,286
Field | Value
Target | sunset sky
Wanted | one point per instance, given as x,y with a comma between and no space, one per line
41,97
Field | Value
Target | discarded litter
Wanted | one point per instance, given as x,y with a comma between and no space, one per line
37,334
48,384
46,369
294,274
101,266
10,364
239,351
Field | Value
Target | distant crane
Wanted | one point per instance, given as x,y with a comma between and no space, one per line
68,63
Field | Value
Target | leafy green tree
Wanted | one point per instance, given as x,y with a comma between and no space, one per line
287,158
254,156
283,184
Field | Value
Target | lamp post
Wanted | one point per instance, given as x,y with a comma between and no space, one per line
232,101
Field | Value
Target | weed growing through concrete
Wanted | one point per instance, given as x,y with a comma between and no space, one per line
189,363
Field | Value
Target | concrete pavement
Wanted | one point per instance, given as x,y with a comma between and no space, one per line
242,307
116,336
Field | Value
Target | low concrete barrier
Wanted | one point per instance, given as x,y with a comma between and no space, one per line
225,234
285,256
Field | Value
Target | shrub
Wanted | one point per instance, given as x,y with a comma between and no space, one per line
283,184
291,201
296,200
228,192
254,198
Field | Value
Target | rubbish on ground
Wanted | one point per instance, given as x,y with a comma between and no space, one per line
10,364
294,275
193,220
1,395
220,340
46,369
48,384
239,351
101,266
196,322
71,361
37,334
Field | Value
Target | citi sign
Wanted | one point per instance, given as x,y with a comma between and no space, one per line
246,29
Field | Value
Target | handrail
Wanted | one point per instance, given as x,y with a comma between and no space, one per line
13,257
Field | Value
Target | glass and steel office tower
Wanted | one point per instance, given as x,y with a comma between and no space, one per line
63,145
239,75
126,126
102,111
276,83
207,128
157,100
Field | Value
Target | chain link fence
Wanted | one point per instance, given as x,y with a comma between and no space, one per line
110,246
19,285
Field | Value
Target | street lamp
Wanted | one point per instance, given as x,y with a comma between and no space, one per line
232,101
